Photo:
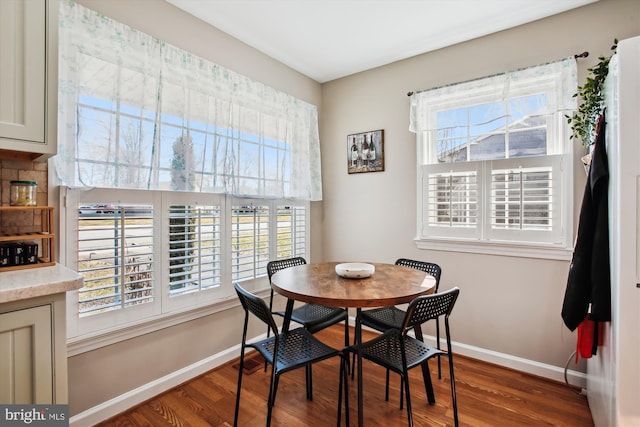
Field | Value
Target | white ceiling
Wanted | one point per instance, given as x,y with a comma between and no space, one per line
329,39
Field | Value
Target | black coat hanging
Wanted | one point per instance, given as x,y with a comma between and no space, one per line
589,283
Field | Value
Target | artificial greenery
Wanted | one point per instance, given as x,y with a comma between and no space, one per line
584,121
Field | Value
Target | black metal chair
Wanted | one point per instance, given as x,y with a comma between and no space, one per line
285,352
385,318
399,352
313,317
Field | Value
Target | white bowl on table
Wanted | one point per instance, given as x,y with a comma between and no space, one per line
355,270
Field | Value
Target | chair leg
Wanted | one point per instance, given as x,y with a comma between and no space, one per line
426,375
309,375
268,328
346,391
344,377
273,388
386,389
353,363
405,380
235,416
454,401
428,385
438,346
346,335
340,391
357,337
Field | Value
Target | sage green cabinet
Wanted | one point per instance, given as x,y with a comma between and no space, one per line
33,360
28,75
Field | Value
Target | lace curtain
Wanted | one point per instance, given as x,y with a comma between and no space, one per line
136,112
507,101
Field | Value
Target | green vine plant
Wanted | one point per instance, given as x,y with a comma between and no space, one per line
583,123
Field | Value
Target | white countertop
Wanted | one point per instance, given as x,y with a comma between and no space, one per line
35,282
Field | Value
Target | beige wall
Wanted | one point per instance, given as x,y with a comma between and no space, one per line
507,304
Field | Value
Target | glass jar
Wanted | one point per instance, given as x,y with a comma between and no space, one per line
23,193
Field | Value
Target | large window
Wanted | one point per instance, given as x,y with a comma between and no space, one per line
178,177
495,161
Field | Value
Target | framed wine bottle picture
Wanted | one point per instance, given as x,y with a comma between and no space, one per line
365,152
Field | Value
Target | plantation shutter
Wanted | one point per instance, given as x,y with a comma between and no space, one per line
524,200
249,241
291,231
115,257
452,199
194,248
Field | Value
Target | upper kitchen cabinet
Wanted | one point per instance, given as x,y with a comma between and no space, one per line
28,78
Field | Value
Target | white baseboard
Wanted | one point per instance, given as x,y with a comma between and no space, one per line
556,373
143,393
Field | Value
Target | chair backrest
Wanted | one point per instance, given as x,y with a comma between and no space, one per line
280,264
255,305
428,307
428,267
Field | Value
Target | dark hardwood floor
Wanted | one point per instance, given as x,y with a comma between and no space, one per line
488,395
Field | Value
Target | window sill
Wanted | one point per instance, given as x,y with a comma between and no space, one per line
104,338
497,248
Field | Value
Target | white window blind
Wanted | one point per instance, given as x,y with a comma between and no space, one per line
525,200
506,200
522,199
146,254
291,231
250,243
452,199
194,248
115,257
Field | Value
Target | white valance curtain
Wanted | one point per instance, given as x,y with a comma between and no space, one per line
504,97
136,112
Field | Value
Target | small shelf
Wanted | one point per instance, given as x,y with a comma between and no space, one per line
44,237
28,236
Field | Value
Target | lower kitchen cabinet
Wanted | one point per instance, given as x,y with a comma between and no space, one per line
33,357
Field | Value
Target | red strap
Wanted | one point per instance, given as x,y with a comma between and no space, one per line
584,346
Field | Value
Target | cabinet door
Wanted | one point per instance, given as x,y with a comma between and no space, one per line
26,372
22,71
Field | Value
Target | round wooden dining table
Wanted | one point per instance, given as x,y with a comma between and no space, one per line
318,283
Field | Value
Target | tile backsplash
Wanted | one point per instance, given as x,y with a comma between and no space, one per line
22,170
